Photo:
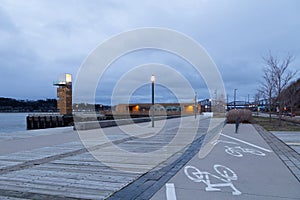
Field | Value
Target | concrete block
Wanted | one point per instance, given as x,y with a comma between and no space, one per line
208,114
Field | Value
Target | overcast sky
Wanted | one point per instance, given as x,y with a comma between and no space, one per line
42,39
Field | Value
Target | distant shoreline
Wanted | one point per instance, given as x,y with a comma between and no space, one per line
9,105
26,112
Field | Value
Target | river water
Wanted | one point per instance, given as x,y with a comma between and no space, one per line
12,122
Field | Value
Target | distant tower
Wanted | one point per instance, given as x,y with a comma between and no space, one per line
64,94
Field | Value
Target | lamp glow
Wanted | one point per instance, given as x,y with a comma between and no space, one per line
152,78
68,78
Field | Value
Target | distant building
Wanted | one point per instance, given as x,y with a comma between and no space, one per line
162,108
206,105
64,94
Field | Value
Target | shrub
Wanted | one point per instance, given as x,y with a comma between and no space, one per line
244,115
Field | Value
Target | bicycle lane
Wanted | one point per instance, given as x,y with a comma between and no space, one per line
240,166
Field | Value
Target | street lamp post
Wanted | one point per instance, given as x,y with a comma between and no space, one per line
152,110
234,97
227,103
195,105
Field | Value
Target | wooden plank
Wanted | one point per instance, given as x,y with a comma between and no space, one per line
60,191
11,198
62,181
4,164
99,176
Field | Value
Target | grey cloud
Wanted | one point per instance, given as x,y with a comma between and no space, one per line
42,39
6,23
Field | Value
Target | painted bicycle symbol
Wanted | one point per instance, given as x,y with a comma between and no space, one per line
226,176
238,151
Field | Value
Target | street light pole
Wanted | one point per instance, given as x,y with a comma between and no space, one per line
152,110
195,105
227,103
234,97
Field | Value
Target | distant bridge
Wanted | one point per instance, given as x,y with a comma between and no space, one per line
246,105
206,105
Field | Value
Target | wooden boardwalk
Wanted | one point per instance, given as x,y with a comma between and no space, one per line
67,170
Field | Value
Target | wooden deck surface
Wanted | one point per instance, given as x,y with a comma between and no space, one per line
66,169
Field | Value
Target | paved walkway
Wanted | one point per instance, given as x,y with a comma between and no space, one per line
291,138
54,164
240,166
252,164
288,155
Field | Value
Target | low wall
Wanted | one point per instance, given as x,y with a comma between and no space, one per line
109,123
208,114
53,121
48,121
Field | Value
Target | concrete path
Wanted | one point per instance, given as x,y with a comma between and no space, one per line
287,155
291,138
240,166
140,162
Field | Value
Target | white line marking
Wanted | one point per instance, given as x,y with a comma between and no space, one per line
293,143
170,191
253,145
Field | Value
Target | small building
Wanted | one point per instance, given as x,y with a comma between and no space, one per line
160,109
64,94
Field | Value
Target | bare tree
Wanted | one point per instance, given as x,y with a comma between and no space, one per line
281,76
267,88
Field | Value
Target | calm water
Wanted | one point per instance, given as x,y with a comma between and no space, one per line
11,122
